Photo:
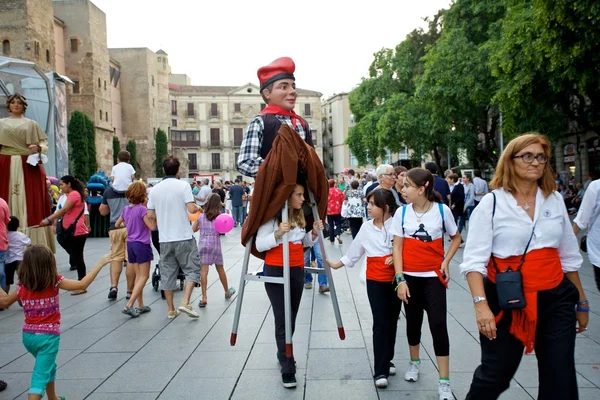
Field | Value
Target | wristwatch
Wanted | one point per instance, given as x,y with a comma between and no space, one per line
477,299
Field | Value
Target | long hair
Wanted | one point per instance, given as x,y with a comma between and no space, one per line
384,199
295,217
37,271
136,193
212,208
504,177
75,185
420,177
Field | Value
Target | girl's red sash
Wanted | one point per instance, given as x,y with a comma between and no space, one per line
419,256
274,256
378,270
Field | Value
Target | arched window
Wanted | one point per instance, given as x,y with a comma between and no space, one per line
6,47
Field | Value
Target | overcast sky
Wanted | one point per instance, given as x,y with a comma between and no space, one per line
223,42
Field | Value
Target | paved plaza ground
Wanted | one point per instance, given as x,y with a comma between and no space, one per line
106,355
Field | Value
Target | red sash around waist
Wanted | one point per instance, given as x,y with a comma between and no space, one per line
274,256
378,270
419,256
541,270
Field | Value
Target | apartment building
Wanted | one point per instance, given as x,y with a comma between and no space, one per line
208,124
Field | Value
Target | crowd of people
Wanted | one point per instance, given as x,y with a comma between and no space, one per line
521,257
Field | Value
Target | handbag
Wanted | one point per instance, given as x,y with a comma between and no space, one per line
583,244
64,235
509,283
345,209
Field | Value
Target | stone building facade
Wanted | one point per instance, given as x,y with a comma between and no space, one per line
27,31
87,65
144,84
208,123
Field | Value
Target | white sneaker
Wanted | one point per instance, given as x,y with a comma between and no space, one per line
444,391
392,369
381,382
187,309
412,375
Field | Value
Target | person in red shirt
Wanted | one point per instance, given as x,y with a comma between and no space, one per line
334,212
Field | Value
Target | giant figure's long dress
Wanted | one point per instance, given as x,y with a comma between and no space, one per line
22,185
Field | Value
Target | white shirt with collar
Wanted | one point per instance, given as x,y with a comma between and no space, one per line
265,238
371,240
588,217
512,229
481,186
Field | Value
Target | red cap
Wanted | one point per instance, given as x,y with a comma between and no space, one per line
282,68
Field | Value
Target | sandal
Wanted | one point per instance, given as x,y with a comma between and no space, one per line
202,303
3,385
131,312
112,293
143,310
229,293
128,295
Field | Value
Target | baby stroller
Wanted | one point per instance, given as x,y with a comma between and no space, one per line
156,273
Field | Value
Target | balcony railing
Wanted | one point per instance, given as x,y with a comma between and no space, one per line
213,144
185,143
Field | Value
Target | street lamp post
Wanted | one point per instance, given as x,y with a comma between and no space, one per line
453,130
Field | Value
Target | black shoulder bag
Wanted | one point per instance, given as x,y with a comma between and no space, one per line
509,283
64,235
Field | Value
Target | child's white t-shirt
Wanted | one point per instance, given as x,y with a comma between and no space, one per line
122,173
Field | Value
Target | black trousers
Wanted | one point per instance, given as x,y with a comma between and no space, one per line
75,250
335,225
427,294
275,293
385,307
355,224
554,348
597,275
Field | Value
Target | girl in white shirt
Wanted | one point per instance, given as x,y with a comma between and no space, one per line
269,239
524,225
422,270
588,217
375,239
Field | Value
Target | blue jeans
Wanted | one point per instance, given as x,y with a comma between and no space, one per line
2,273
238,215
314,253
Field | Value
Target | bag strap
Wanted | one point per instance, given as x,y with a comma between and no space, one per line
526,247
441,208
403,213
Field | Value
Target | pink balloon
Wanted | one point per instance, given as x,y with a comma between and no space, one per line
224,223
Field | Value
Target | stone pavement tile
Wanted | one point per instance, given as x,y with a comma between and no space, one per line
591,372
122,340
584,393
341,389
327,323
214,364
18,383
119,396
461,382
267,333
264,356
140,377
428,378
76,389
266,384
11,352
93,365
344,364
410,395
331,340
81,339
27,361
157,349
199,388
586,351
152,321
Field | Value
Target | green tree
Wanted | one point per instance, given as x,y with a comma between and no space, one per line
131,148
161,151
116,149
78,146
91,146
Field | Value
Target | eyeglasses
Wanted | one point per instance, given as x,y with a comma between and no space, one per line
528,158
393,175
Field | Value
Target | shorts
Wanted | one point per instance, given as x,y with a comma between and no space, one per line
174,255
10,269
118,244
44,348
139,253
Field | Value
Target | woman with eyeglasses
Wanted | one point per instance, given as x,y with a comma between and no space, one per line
523,226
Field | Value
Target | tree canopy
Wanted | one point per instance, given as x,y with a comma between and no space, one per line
535,62
161,151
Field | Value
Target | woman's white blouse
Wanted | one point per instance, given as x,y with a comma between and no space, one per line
265,238
512,229
371,240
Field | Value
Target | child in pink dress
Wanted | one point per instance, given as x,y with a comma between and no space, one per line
209,246
39,296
